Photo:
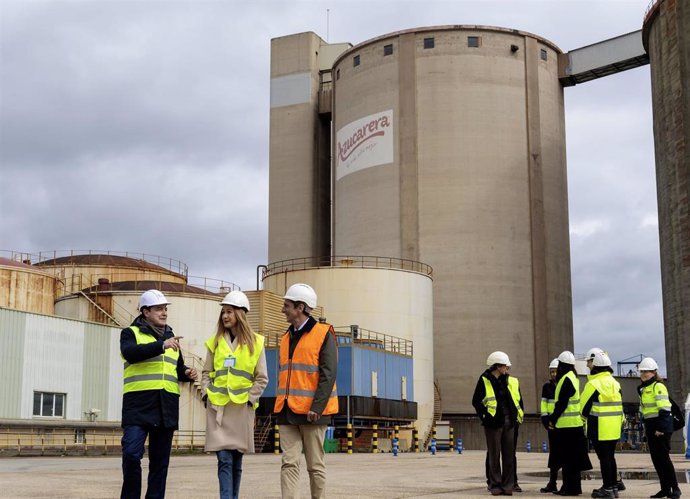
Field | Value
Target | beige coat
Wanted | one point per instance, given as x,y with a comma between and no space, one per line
232,426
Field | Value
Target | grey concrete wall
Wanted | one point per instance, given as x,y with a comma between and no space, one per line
667,37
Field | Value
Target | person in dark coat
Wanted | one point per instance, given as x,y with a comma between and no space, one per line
153,365
655,406
497,402
569,441
548,394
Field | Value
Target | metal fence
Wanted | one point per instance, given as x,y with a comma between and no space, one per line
38,442
373,262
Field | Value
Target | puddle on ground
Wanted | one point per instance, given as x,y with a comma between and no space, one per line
682,476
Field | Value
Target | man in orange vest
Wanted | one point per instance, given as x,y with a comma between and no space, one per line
306,396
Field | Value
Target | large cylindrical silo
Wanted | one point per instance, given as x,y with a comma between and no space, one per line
666,37
449,148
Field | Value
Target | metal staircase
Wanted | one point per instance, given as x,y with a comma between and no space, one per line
437,414
262,429
100,311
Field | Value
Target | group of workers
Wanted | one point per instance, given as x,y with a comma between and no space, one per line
235,375
573,419
233,378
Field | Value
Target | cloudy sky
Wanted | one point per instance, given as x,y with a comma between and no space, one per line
142,126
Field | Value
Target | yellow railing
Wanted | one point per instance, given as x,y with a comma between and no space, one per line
356,336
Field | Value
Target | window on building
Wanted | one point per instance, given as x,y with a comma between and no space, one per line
428,43
543,54
387,49
355,61
79,436
49,404
473,41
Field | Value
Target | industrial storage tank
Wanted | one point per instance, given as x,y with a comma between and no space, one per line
79,270
666,38
385,295
449,148
26,288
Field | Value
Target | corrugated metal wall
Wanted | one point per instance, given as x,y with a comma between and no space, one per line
52,354
12,326
355,365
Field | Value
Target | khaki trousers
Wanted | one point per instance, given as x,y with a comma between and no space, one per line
294,439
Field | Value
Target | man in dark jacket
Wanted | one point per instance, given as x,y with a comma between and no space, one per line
150,404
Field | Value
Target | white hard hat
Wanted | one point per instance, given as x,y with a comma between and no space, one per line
648,364
567,358
236,299
554,364
301,292
601,359
497,358
151,298
592,352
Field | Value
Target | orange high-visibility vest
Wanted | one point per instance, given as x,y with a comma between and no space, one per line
299,376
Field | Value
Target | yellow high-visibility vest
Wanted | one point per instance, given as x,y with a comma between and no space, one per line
609,408
489,399
547,406
570,418
231,383
156,373
653,398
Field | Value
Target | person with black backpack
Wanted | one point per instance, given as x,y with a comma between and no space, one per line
655,406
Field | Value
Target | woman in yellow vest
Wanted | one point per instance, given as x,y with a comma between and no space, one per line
601,404
655,407
569,442
233,379
498,403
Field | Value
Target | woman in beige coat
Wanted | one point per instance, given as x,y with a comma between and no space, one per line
233,378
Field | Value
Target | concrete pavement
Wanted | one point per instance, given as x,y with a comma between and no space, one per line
408,475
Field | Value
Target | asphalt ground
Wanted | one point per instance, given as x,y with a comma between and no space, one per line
423,475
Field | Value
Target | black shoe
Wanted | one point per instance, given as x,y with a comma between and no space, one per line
566,493
620,485
517,488
550,487
661,493
675,493
602,492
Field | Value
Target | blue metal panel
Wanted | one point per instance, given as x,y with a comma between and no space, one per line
272,367
355,366
345,372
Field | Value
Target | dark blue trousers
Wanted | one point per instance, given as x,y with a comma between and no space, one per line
160,443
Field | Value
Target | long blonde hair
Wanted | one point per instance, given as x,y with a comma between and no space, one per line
243,331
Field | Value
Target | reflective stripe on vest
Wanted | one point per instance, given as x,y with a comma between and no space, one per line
298,377
232,384
609,408
571,416
155,373
653,398
547,406
489,400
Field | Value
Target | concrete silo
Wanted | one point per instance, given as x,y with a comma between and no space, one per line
666,38
448,148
